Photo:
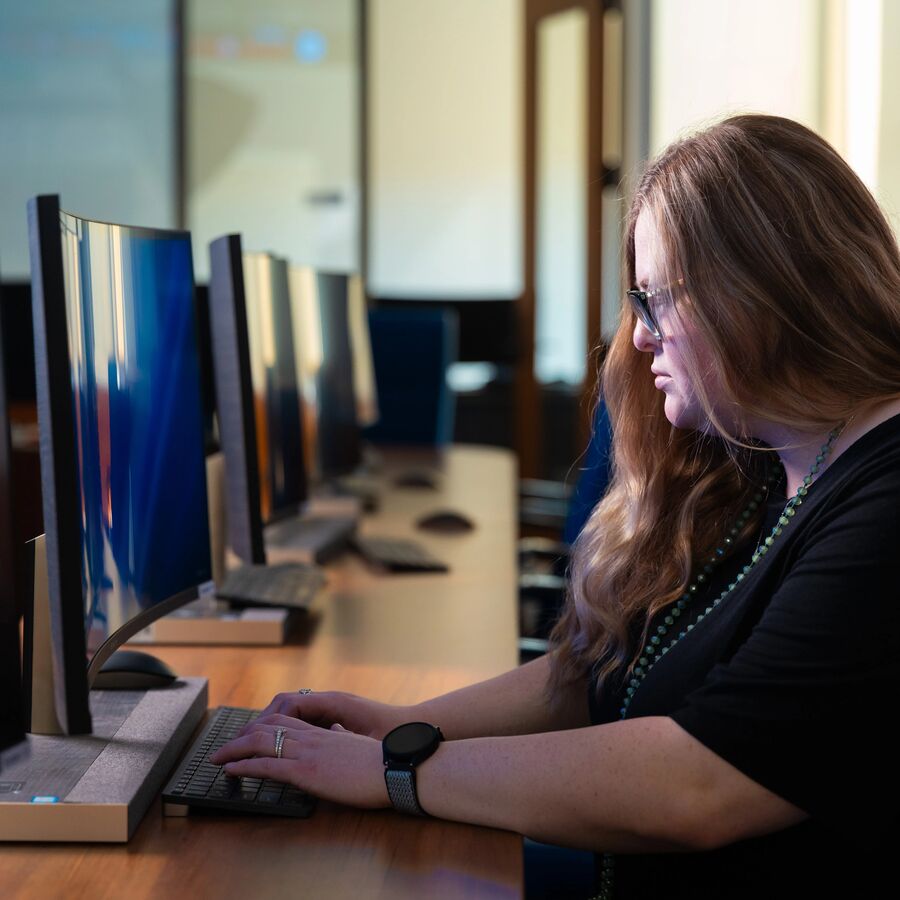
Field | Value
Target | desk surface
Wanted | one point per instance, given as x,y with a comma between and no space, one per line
397,638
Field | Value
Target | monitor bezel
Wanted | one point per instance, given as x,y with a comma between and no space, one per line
59,473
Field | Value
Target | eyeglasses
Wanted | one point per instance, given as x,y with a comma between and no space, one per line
640,303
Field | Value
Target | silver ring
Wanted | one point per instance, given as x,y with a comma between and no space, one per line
305,691
279,741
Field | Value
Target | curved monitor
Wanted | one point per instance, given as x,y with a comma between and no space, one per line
121,434
276,393
335,364
258,395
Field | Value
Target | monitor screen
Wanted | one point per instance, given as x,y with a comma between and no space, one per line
276,392
139,420
327,365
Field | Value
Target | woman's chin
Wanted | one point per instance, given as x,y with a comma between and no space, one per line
680,415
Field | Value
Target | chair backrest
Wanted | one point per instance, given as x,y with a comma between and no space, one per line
412,351
594,478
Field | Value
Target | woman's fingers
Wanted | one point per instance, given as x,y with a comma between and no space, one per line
285,703
258,738
313,707
262,767
332,763
274,720
260,742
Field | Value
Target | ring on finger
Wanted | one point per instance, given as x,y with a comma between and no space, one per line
279,741
305,691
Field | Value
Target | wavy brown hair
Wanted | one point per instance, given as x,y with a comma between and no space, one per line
793,279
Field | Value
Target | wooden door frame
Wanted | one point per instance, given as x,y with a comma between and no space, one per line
528,396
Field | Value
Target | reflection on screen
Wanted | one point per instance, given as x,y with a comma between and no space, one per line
334,359
138,416
309,354
276,395
364,387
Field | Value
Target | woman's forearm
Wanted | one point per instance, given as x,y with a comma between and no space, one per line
638,786
513,703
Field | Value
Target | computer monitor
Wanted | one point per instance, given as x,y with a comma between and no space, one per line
12,719
364,386
121,436
328,366
259,404
207,370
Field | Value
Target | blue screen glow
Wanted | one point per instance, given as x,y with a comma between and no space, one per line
139,419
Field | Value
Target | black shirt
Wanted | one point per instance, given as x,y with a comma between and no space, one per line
795,680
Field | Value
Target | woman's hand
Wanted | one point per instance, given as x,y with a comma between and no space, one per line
331,763
356,714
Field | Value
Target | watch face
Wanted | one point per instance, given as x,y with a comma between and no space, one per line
407,740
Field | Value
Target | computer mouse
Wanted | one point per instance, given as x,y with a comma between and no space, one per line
131,670
419,479
446,521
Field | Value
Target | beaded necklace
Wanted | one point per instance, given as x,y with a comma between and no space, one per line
657,646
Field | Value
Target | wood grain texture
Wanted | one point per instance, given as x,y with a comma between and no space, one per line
398,638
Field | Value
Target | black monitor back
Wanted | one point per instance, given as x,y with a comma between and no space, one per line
12,720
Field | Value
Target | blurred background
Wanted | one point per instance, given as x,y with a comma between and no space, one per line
475,154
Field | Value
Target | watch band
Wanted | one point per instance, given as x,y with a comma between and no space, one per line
401,788
404,748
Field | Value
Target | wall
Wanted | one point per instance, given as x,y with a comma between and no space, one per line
445,155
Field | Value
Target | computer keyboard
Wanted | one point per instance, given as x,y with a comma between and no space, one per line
291,585
318,538
199,783
398,555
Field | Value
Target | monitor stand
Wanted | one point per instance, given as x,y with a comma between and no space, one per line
93,787
213,621
97,787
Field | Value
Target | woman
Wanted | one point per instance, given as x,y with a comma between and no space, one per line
724,674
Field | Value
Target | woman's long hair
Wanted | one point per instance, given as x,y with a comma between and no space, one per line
792,276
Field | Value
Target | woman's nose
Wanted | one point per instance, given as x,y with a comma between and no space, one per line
642,338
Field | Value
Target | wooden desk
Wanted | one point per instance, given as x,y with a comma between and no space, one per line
396,638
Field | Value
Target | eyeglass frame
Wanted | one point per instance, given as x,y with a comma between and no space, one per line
641,306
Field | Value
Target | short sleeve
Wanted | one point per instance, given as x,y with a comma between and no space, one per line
806,706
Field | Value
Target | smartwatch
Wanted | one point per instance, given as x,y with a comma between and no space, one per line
404,748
